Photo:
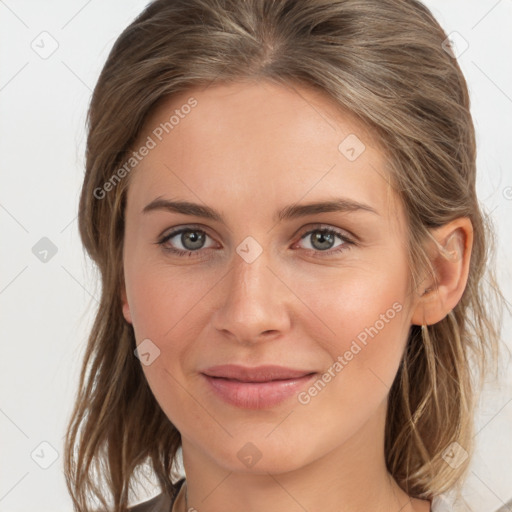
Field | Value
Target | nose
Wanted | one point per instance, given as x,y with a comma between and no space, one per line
254,302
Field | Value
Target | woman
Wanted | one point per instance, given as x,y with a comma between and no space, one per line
280,197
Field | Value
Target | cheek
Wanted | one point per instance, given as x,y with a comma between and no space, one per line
369,319
163,302
163,307
363,320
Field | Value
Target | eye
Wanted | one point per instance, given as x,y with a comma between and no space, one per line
322,240
190,238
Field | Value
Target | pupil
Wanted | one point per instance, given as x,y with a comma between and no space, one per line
322,237
194,237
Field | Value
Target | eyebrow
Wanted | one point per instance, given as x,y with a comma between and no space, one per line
293,211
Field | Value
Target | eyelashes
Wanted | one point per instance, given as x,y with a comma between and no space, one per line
322,234
328,232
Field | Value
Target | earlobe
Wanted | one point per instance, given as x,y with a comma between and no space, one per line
450,257
125,306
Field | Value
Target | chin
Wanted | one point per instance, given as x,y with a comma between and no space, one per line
259,455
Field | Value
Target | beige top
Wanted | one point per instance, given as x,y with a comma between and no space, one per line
180,506
164,503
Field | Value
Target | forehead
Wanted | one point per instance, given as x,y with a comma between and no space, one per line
263,109
261,142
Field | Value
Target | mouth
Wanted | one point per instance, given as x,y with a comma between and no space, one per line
266,373
258,387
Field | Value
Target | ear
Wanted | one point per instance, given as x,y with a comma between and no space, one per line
450,255
124,301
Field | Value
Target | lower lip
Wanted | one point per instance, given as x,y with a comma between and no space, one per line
256,395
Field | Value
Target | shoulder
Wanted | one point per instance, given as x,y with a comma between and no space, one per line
160,503
442,503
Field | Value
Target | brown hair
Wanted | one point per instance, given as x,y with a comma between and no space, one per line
385,62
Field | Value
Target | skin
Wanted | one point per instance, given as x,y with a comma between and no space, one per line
247,150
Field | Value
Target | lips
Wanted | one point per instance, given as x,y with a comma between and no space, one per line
260,387
256,374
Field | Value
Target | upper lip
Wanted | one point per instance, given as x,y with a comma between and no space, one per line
255,374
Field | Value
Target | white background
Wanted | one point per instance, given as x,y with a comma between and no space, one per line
47,308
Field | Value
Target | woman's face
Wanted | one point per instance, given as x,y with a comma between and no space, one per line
260,282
